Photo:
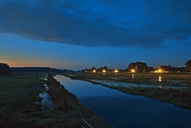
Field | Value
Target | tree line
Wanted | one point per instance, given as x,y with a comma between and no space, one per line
143,67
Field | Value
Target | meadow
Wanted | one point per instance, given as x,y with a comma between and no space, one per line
18,95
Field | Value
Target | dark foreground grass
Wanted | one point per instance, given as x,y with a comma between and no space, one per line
19,93
180,98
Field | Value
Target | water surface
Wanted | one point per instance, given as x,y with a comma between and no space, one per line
127,111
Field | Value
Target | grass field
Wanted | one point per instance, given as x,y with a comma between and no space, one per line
19,94
165,87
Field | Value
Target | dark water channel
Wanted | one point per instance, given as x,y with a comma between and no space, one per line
127,111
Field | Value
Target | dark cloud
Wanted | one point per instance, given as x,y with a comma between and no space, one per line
137,23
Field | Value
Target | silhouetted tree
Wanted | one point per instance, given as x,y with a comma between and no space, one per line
150,69
4,68
167,68
102,68
105,67
188,65
172,69
139,67
93,68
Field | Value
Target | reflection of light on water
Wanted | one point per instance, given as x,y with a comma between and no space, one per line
133,76
160,79
160,86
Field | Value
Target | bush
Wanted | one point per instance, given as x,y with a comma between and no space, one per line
4,68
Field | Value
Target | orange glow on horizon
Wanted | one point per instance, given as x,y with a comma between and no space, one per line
28,62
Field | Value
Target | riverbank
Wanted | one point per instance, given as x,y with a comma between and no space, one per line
20,104
73,112
165,87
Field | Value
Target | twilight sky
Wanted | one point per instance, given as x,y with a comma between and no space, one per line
78,34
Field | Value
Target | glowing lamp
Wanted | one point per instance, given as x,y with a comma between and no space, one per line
133,70
116,71
94,71
103,70
159,71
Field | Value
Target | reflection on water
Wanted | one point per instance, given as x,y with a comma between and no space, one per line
46,102
126,111
160,86
132,76
160,79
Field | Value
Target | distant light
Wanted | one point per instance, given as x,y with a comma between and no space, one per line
116,71
104,71
159,71
133,70
94,71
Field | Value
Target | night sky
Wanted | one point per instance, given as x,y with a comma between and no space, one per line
77,34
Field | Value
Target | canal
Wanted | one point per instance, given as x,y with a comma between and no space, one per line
124,110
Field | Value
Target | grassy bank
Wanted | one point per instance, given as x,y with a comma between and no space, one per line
70,108
181,98
19,94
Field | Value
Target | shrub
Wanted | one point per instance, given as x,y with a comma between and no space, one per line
4,68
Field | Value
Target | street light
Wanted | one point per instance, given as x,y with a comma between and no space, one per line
133,70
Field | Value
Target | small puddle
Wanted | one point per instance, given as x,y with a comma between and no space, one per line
46,102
